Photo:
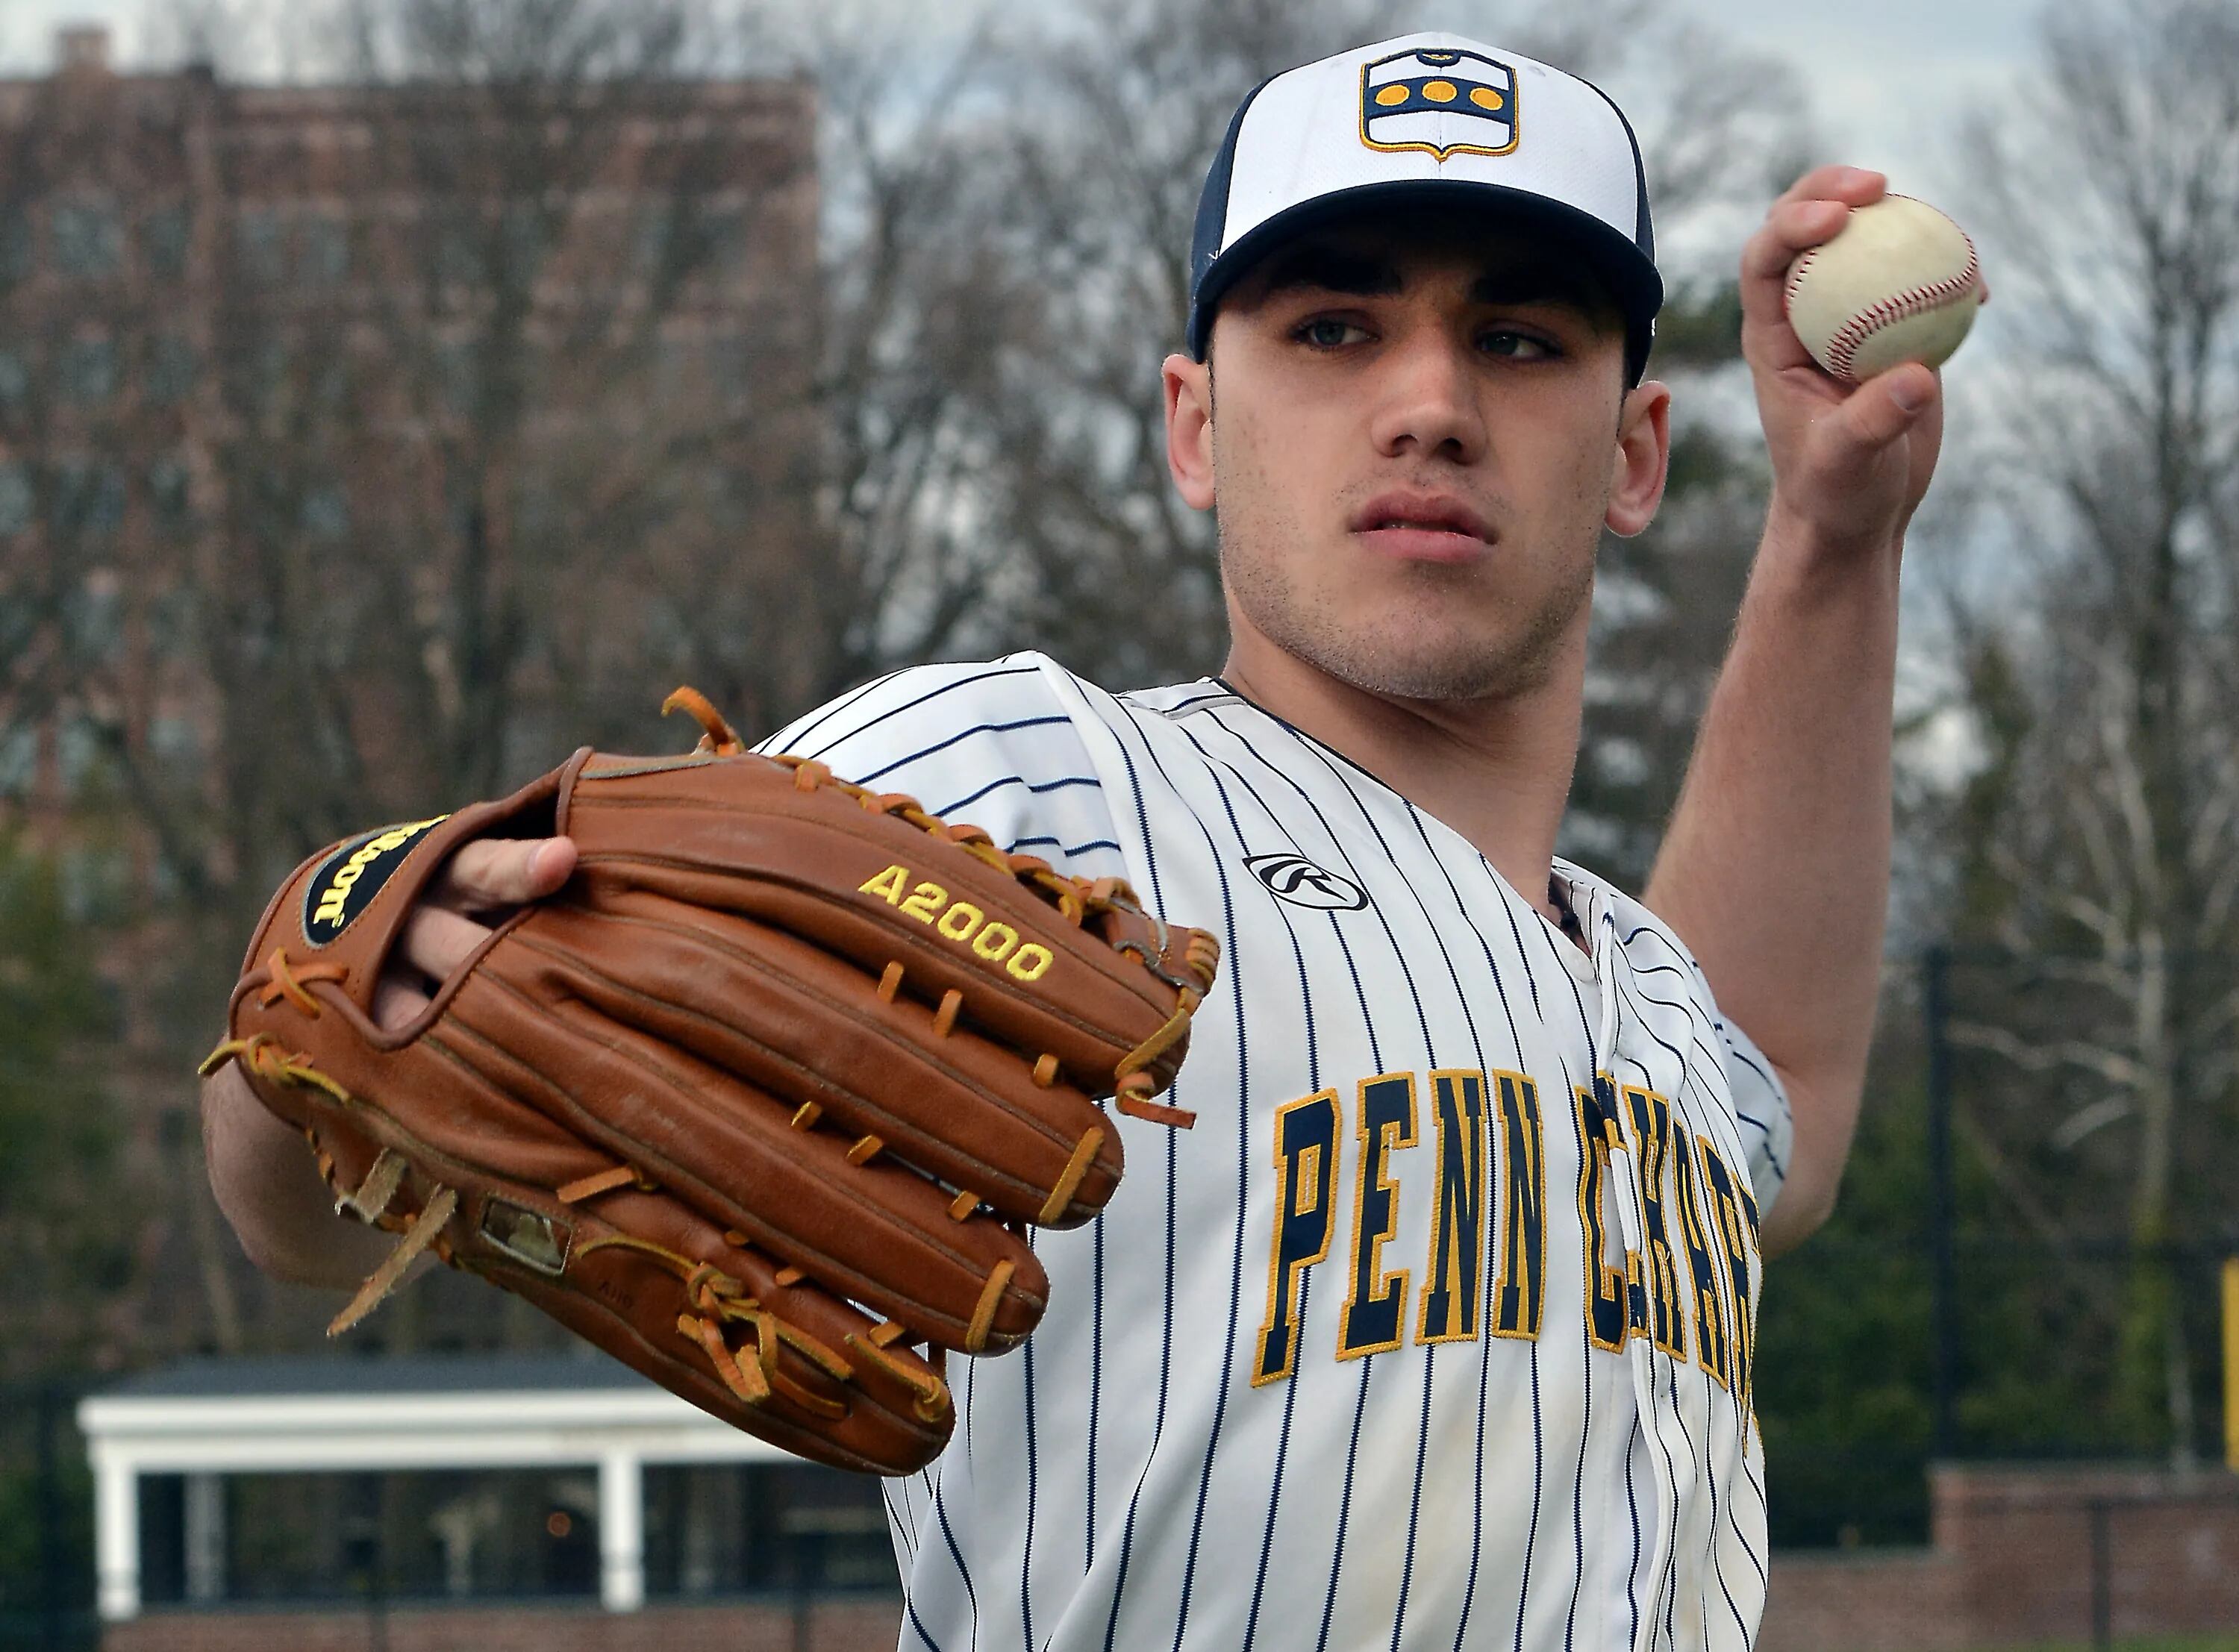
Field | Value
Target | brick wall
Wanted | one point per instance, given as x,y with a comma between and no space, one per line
834,1626
2011,1563
1863,1601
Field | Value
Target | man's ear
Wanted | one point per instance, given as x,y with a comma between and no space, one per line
1642,461
1189,429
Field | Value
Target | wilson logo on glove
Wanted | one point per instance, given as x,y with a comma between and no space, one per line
767,1130
354,874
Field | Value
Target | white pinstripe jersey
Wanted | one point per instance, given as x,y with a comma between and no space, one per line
1435,1330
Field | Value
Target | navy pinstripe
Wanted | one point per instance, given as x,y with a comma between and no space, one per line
1403,1505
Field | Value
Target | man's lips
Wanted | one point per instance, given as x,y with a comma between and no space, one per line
1434,527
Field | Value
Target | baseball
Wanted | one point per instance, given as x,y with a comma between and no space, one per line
1899,283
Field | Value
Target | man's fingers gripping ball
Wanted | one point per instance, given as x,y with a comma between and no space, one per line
1812,209
760,1100
1888,405
1897,282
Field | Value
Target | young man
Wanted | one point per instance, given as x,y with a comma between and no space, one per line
1436,1330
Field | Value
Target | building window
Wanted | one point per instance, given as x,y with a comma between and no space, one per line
676,369
326,512
170,618
538,519
77,752
15,378
15,498
329,388
323,253
170,498
458,259
269,368
163,242
85,371
260,241
173,739
96,881
458,376
88,498
14,245
19,761
651,232
169,374
89,240
729,1531
484,1532
731,371
723,231
93,615
526,243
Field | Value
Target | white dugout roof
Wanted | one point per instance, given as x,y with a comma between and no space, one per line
208,1418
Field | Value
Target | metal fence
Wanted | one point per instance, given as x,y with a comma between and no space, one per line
46,1523
1983,1292
1971,1300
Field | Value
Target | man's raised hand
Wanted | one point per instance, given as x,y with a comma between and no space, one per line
1851,462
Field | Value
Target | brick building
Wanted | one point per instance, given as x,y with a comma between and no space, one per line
430,335
364,447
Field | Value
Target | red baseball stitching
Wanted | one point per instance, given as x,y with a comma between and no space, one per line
1843,348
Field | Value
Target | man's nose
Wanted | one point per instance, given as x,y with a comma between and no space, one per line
1428,404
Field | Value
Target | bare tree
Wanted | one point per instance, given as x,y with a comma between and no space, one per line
487,389
1015,265
2103,826
375,441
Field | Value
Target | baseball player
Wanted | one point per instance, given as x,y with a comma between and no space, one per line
1438,1329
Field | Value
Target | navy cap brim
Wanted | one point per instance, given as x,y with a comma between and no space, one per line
1632,276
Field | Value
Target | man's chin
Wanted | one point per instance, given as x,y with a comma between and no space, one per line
1406,669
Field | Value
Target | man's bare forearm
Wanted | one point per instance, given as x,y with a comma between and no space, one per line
266,1184
1775,870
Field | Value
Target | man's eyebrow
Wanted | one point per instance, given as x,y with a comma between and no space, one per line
1367,274
1534,284
1333,270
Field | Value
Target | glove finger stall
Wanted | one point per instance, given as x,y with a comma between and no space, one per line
738,835
791,1020
871,1230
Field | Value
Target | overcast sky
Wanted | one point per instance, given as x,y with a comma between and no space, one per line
1885,77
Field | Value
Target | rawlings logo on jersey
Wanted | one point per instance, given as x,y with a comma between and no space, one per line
354,874
1298,880
1441,102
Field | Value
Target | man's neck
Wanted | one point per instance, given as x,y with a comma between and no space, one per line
1495,770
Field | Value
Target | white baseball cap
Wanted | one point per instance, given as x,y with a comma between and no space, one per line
1439,122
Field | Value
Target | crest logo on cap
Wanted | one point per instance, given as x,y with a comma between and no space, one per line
1441,102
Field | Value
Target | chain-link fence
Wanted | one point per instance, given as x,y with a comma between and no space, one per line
2026,1261
46,1523
1997,1284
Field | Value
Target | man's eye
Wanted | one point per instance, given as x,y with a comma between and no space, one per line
1520,346
1325,333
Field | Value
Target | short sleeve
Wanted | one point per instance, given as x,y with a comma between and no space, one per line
1762,1109
987,742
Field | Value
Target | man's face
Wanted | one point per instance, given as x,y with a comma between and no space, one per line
1414,445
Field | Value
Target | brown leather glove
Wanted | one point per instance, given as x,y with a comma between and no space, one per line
759,1103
